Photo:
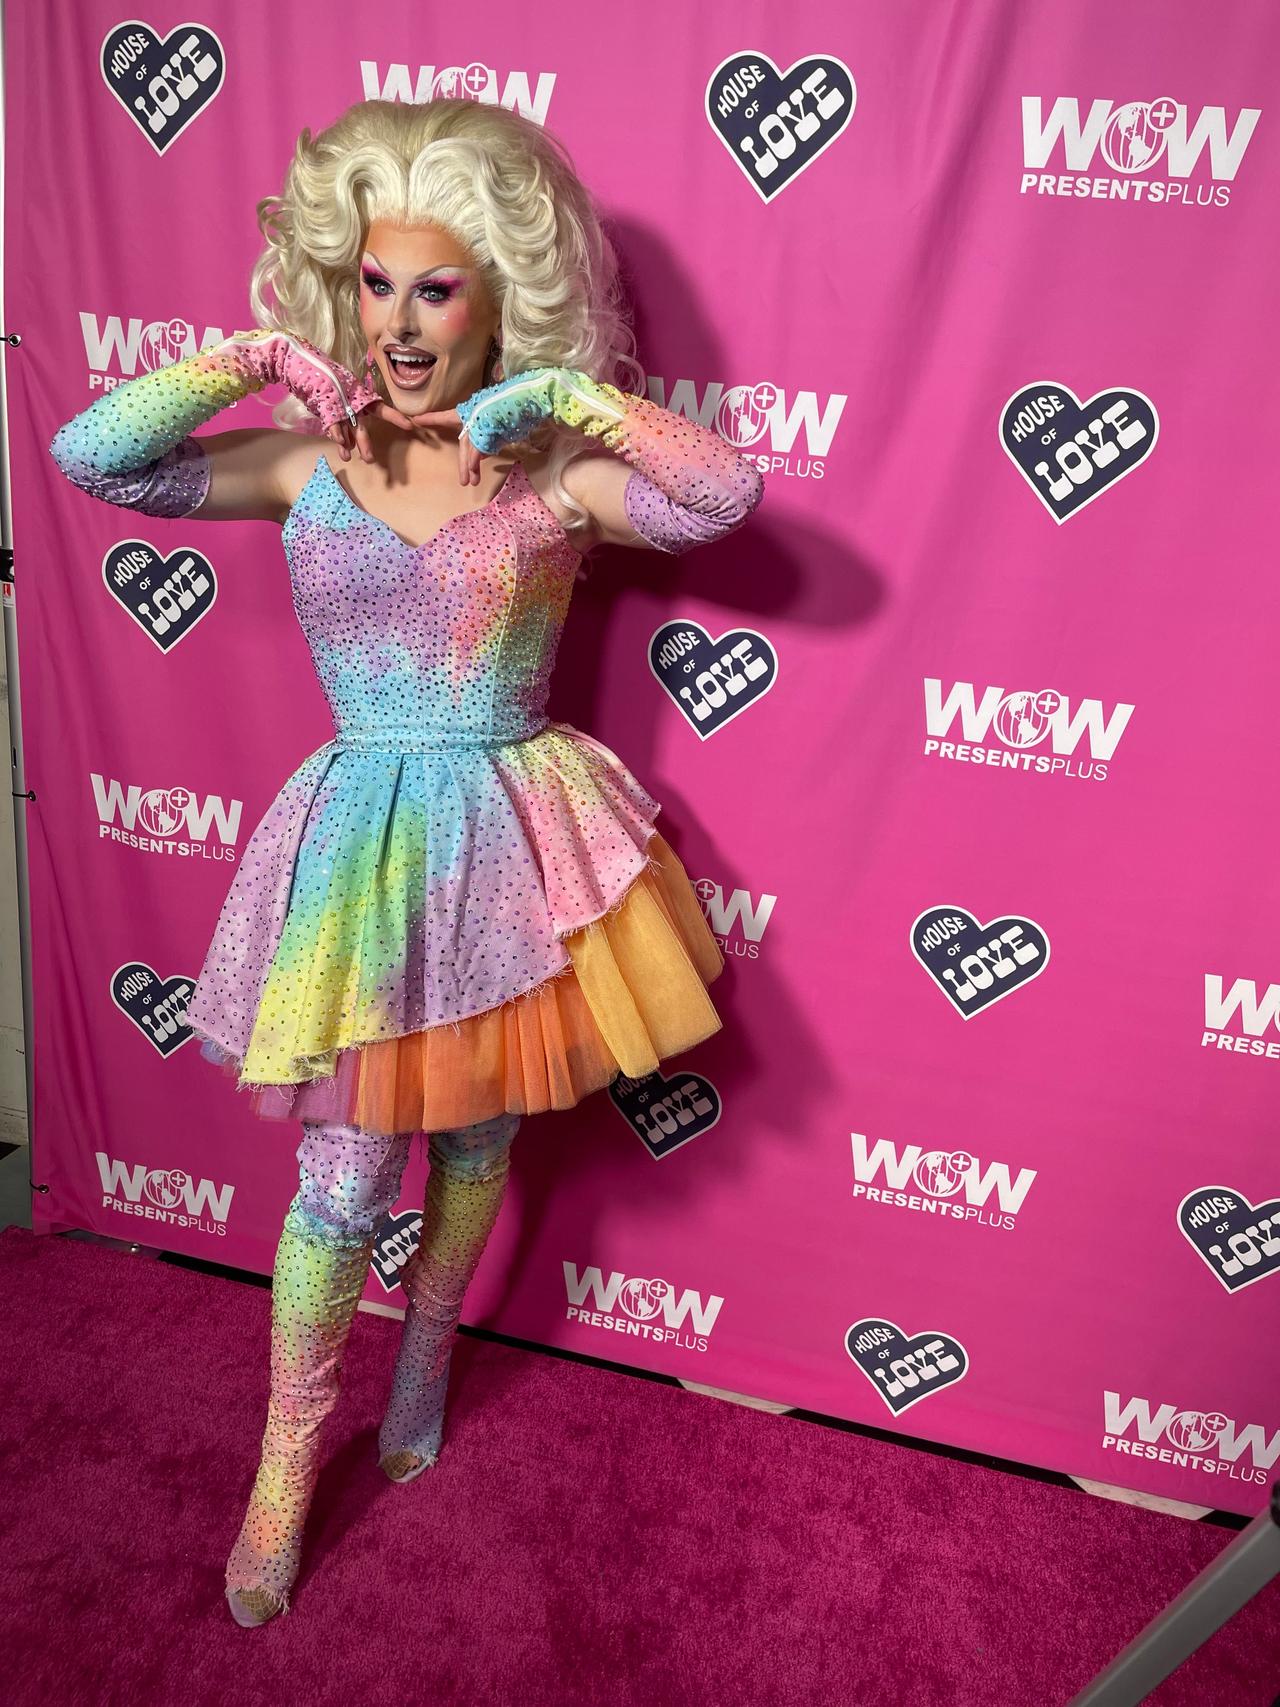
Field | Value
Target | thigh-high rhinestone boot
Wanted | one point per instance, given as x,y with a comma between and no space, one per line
349,1180
465,1189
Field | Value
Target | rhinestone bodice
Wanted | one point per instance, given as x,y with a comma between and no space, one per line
440,647
426,864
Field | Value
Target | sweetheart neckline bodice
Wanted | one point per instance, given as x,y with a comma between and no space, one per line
446,527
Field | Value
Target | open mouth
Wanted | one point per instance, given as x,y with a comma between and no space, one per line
410,371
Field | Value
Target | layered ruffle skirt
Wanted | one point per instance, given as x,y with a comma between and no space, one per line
417,942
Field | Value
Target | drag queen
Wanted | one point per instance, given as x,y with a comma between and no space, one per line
456,912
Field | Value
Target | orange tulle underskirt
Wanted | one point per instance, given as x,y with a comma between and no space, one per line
634,994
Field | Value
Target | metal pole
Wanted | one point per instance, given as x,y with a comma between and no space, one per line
10,341
1246,1565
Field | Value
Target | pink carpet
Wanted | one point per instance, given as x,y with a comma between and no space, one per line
587,1537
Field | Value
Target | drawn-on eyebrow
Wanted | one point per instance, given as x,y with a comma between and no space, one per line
444,267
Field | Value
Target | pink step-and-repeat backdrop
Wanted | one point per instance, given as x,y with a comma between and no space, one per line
966,737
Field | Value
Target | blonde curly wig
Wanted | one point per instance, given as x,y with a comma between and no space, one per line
500,184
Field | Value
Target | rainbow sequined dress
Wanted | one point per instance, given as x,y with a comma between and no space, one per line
455,907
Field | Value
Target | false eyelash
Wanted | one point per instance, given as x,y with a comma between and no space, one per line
430,284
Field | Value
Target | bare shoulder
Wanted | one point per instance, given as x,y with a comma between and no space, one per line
298,461
256,473
537,466
596,480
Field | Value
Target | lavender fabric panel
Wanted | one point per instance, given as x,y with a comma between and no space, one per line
670,526
173,484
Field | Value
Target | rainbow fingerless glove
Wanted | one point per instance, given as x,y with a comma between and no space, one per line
687,487
132,446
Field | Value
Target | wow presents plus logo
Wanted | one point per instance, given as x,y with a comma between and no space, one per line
1032,731
168,1195
1198,1440
640,1309
738,918
953,1184
172,821
1239,1021
787,432
1133,151
116,350
475,81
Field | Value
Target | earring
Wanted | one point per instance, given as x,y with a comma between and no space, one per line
368,366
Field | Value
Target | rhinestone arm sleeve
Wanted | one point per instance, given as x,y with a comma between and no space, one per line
133,446
687,485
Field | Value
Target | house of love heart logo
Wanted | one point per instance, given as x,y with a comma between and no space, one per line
1239,1241
394,1243
156,1005
712,680
165,596
775,123
1070,452
904,1370
975,964
162,85
666,1113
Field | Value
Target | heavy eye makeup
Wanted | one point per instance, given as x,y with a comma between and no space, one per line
447,287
